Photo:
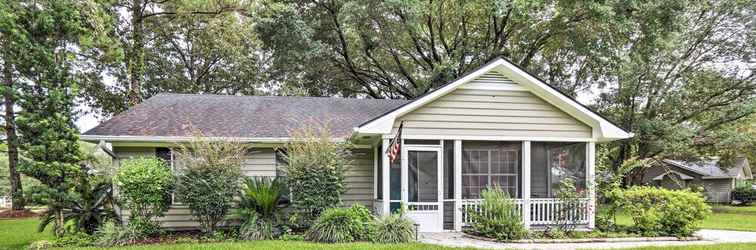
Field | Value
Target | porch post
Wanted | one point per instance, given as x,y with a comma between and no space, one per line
457,170
526,184
386,182
591,183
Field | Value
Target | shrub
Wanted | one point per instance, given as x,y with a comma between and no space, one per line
256,228
144,186
339,225
260,208
210,178
497,217
657,211
261,196
744,193
74,239
394,228
111,234
315,172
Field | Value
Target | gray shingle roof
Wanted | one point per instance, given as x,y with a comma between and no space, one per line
710,168
240,116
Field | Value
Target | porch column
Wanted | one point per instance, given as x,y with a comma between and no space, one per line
457,172
386,181
526,184
591,182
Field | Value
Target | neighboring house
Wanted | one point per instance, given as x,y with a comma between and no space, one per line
718,183
497,125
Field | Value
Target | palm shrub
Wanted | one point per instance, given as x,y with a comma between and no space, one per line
315,171
260,208
84,209
340,225
144,186
393,229
209,178
497,217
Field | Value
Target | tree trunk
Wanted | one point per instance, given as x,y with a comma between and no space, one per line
17,194
135,59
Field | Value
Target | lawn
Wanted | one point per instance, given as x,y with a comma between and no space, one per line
17,234
724,217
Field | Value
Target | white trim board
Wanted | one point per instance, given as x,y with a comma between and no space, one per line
603,129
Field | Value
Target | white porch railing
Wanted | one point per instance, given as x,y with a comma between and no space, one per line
542,211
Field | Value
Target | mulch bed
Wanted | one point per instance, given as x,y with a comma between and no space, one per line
11,214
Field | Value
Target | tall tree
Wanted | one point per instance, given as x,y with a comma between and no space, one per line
177,46
684,92
16,188
403,49
49,41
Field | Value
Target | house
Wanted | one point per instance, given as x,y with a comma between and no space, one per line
496,125
718,182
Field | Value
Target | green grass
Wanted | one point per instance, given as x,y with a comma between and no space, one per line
18,233
724,217
260,245
734,246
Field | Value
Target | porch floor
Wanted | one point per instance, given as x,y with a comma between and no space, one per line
708,236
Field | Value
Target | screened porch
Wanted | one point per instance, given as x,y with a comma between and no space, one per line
439,180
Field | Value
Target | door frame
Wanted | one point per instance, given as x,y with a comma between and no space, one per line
438,149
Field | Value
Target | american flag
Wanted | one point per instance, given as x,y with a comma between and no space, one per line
395,147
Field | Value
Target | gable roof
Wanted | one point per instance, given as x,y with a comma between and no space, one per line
605,129
168,117
710,169
671,172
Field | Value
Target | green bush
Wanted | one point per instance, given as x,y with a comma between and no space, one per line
315,172
74,239
256,228
111,234
745,194
210,178
497,217
658,211
394,228
339,225
144,189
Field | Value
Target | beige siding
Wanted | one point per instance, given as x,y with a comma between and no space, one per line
717,190
471,112
260,162
359,179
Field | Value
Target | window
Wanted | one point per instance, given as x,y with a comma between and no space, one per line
553,162
280,163
487,164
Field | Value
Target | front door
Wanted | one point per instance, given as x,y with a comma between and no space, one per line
423,187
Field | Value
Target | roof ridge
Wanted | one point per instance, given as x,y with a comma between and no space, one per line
276,96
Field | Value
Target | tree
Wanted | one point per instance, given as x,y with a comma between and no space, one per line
16,188
178,46
8,23
403,49
48,40
683,91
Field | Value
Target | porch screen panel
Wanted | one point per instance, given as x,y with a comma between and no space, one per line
395,184
552,163
422,176
448,169
487,164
